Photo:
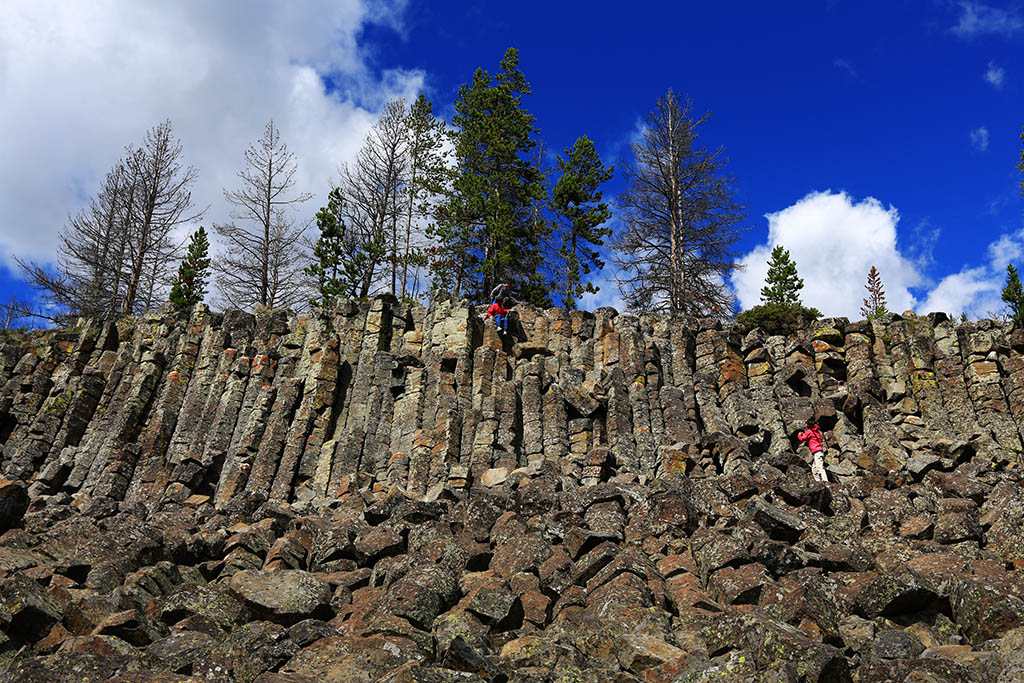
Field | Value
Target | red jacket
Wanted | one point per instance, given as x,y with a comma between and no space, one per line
496,309
813,438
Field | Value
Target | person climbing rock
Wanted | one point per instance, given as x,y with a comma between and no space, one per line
815,441
500,292
500,315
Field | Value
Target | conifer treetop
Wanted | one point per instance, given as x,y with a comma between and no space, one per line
782,284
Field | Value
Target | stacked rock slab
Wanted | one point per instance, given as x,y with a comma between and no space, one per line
398,493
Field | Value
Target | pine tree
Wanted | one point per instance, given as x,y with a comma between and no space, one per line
189,286
780,311
485,228
341,259
874,304
1013,295
581,217
782,284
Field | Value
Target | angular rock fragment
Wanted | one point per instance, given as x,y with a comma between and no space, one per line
286,596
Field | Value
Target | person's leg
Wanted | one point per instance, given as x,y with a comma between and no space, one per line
818,466
499,322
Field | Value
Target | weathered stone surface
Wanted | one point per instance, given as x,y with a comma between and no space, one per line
285,596
249,650
215,604
26,609
386,492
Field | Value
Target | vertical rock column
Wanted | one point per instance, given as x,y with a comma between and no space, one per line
1012,363
144,363
25,394
448,332
678,401
308,431
155,439
978,343
951,378
253,414
642,383
357,418
761,382
27,449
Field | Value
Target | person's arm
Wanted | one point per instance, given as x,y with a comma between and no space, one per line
803,436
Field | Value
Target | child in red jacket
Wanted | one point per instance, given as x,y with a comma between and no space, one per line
812,435
500,315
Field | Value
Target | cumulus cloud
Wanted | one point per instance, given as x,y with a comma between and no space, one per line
834,241
979,138
995,75
82,80
977,19
977,291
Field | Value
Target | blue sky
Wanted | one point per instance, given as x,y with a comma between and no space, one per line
858,134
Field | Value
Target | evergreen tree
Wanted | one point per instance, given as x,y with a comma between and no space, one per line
189,286
780,311
341,258
782,284
1013,295
485,228
874,304
581,217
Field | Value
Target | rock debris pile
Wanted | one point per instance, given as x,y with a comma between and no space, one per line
397,494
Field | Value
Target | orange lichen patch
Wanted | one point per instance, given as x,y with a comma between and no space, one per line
731,370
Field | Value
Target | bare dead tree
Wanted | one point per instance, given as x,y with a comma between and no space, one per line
427,176
372,196
159,199
12,311
85,279
676,247
113,255
263,258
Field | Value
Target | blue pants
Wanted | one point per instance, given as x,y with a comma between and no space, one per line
501,321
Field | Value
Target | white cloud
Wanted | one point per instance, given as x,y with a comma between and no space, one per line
979,138
608,293
995,75
977,19
82,80
971,291
834,241
978,291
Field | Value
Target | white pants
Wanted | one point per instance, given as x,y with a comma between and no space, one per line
818,466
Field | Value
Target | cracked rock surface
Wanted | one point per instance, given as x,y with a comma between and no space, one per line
397,494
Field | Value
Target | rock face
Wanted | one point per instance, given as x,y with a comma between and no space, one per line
393,493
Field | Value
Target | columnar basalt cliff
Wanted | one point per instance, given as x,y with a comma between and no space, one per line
398,493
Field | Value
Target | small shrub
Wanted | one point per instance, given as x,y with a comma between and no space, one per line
778,318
